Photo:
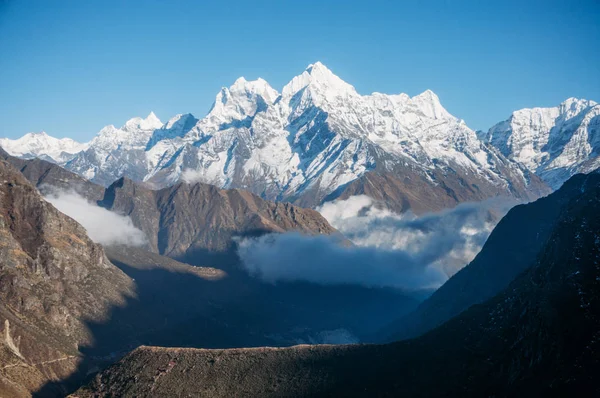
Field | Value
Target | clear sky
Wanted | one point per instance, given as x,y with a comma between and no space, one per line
71,67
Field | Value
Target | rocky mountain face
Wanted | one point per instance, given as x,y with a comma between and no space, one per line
52,279
317,139
512,247
555,143
195,221
537,337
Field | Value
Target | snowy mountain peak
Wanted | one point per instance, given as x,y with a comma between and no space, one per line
179,120
36,134
151,122
573,106
254,87
321,80
42,145
554,142
243,99
429,103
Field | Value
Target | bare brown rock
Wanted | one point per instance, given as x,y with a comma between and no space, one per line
187,220
52,278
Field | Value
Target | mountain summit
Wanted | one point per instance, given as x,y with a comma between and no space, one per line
555,143
42,145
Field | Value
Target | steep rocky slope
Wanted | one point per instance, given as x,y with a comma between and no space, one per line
555,143
538,337
511,248
53,279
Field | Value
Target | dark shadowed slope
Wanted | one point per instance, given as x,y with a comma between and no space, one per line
538,337
53,279
511,248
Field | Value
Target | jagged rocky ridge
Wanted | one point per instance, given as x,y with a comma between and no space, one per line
538,337
311,142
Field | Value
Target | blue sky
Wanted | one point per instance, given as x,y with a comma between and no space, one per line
71,67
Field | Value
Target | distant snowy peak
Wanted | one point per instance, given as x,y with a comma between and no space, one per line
318,80
135,133
553,142
429,103
319,135
42,145
239,102
151,122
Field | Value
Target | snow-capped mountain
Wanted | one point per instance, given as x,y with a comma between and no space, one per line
318,135
555,143
57,150
115,152
313,141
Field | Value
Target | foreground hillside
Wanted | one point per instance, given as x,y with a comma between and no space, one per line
538,337
53,279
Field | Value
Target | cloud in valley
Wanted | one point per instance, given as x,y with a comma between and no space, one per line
402,251
103,226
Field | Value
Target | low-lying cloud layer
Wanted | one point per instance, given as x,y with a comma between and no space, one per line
402,251
320,259
455,235
103,226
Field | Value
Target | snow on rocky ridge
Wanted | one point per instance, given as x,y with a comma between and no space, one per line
555,143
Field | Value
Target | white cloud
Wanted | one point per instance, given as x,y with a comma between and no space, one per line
103,226
457,234
402,251
320,259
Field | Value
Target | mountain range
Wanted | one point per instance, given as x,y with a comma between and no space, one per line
318,139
